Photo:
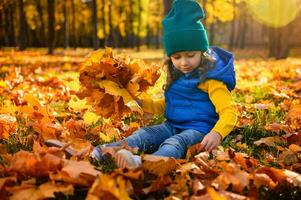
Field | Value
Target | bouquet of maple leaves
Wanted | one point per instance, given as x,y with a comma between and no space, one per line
112,84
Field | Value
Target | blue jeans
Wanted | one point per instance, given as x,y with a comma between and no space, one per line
162,140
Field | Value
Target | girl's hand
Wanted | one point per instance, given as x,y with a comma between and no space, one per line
211,141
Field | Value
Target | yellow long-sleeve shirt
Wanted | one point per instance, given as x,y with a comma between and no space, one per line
221,99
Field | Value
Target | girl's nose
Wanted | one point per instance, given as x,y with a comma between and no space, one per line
184,61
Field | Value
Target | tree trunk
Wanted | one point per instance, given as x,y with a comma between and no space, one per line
94,21
272,42
111,39
129,29
279,41
212,30
42,25
1,30
66,26
212,33
158,34
12,27
243,32
73,31
103,22
167,6
120,39
237,38
6,27
284,42
51,22
204,8
232,34
22,27
139,27
148,36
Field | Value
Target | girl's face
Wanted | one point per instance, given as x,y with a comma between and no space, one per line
186,61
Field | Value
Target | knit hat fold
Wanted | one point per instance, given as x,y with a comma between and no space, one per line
182,28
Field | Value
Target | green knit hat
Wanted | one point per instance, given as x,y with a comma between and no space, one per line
182,28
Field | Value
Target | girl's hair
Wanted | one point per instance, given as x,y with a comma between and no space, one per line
207,63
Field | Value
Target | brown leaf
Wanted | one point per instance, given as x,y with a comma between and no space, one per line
197,187
221,196
288,157
44,191
269,141
193,150
120,79
76,127
295,148
77,168
245,161
277,175
294,138
48,189
181,185
8,125
275,127
293,117
293,177
106,187
134,174
77,172
7,181
239,179
261,179
215,195
158,165
39,164
159,184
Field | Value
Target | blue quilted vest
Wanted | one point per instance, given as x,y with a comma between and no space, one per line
188,107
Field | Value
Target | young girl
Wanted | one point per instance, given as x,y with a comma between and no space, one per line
198,104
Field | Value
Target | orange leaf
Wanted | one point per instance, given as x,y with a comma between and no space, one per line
7,181
197,187
293,177
8,126
77,172
294,138
276,175
278,128
107,187
294,117
214,195
159,184
159,165
245,161
269,141
288,158
295,148
40,164
261,179
44,191
232,175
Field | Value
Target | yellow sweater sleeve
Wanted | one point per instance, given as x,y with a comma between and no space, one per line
224,105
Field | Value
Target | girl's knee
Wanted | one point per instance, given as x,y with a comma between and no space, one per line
173,142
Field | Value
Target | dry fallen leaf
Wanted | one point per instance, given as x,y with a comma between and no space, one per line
44,191
76,172
106,187
35,164
158,165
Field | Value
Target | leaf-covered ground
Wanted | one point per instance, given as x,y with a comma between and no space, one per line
85,102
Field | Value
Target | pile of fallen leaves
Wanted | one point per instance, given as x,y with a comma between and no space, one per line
260,159
112,84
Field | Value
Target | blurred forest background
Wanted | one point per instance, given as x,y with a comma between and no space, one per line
274,25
